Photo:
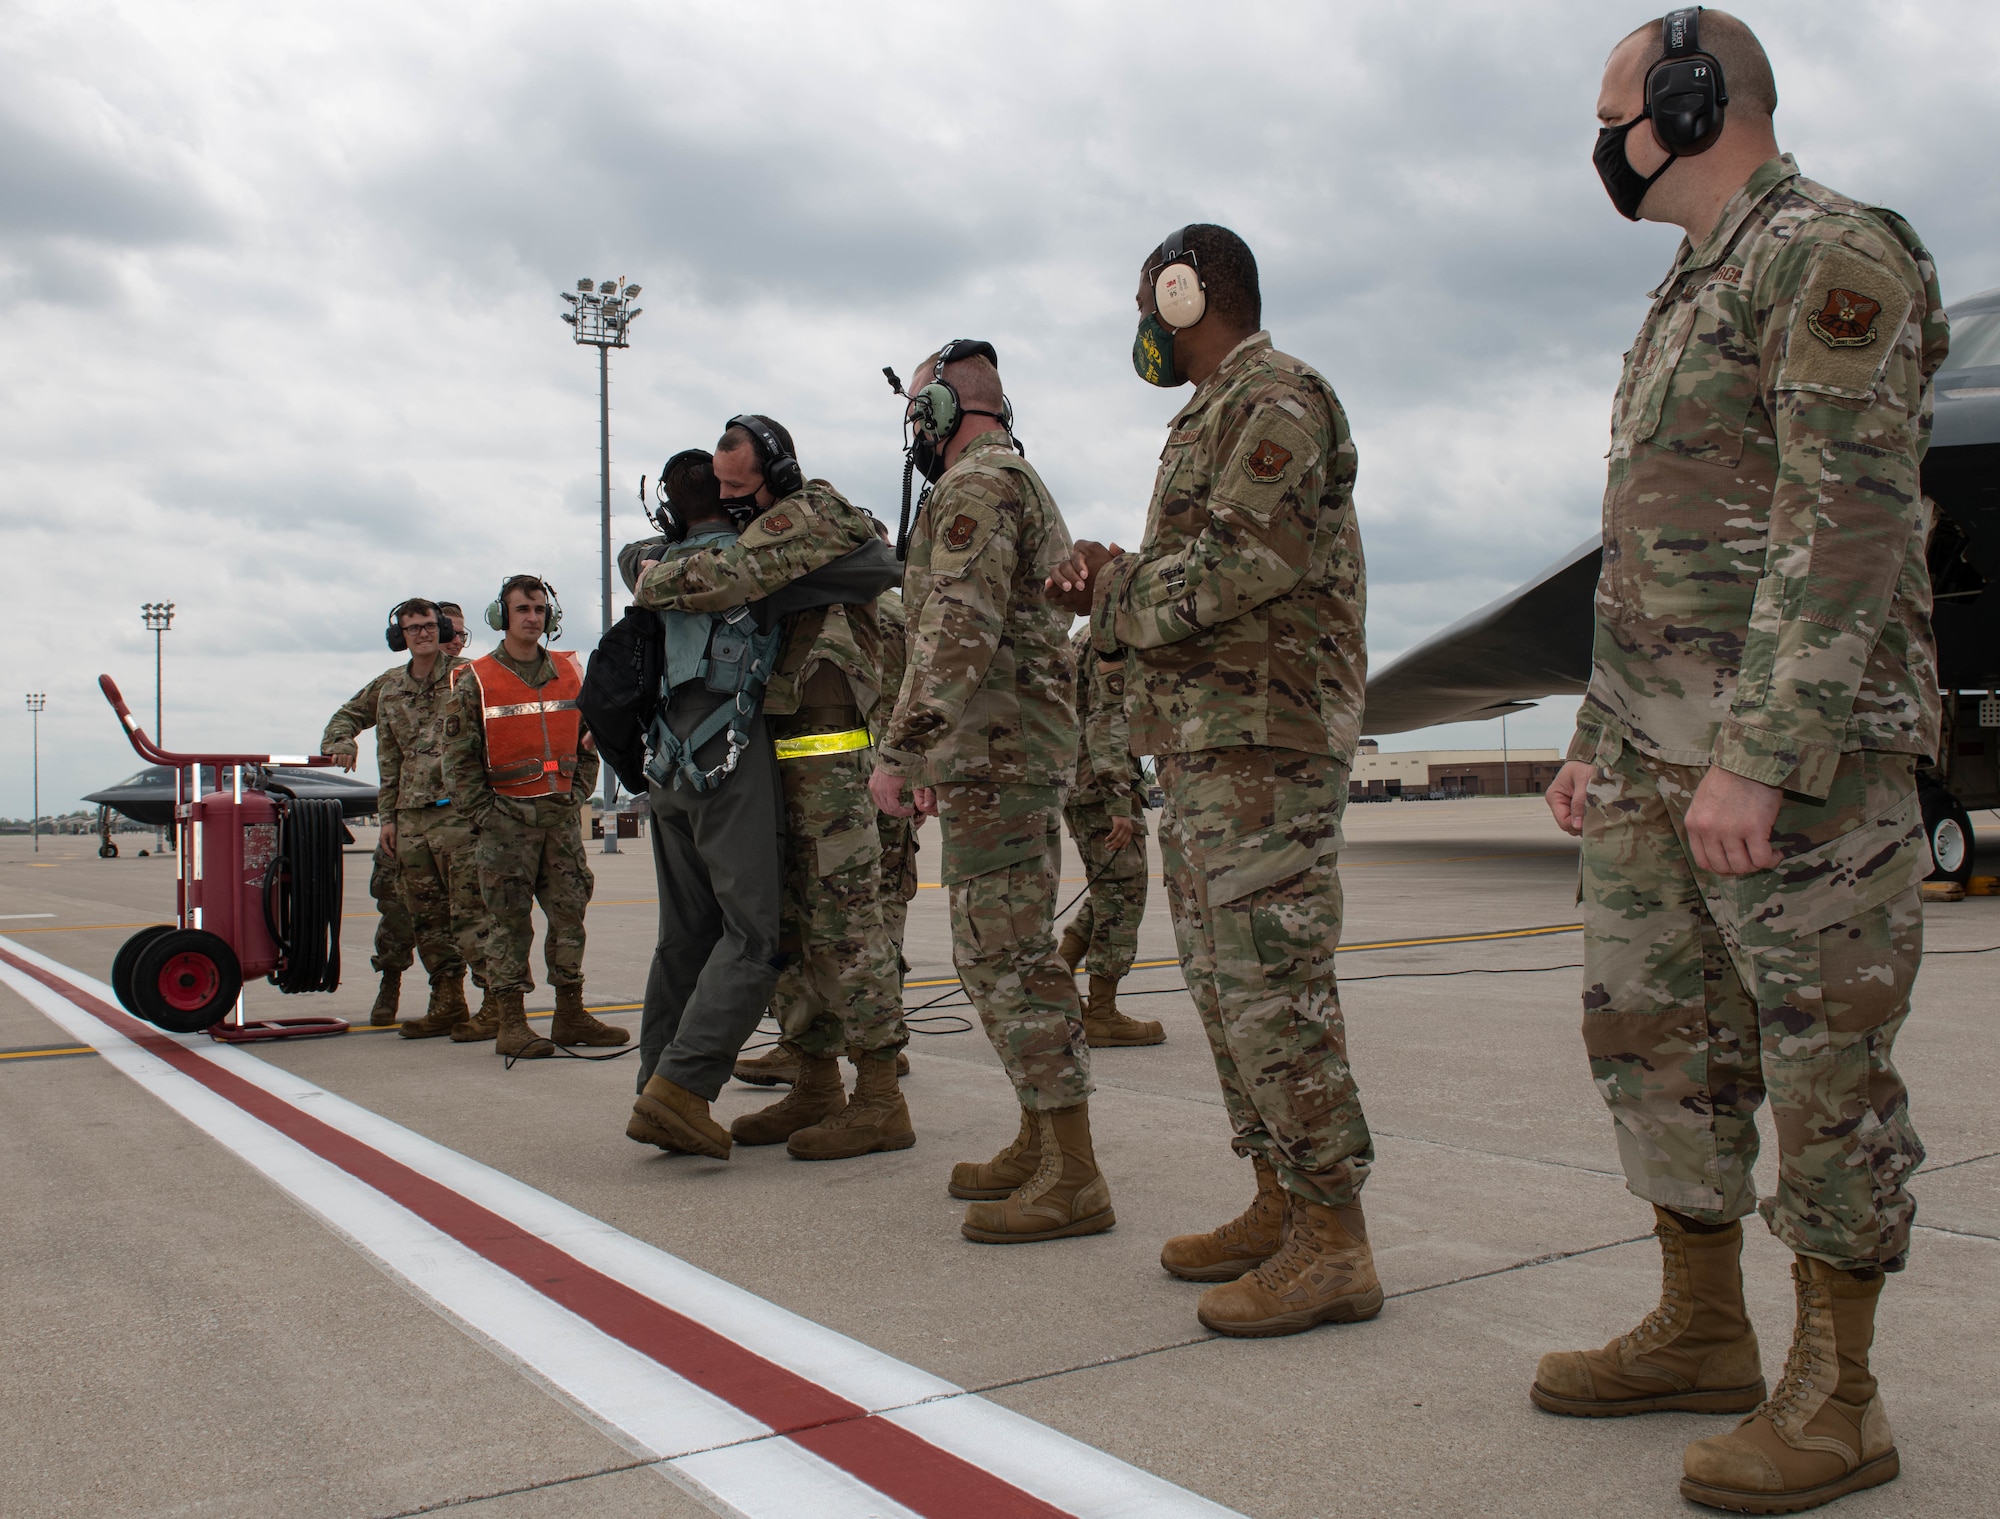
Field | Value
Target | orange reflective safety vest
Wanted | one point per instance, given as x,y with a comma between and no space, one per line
531,731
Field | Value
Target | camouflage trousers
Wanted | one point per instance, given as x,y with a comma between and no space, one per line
395,934
532,851
1248,845
1108,921
1002,851
897,875
439,881
1703,995
839,986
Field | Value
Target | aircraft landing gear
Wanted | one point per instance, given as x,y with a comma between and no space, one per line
1948,830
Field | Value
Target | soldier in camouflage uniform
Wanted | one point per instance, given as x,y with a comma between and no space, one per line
1239,623
984,728
527,816
838,988
395,934
1742,778
1108,822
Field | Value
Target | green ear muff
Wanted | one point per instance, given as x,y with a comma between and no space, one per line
496,616
1153,353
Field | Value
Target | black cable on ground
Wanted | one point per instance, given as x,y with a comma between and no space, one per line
302,894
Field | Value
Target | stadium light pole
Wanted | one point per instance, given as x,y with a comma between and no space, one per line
601,315
159,616
36,701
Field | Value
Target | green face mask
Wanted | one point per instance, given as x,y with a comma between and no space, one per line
1153,353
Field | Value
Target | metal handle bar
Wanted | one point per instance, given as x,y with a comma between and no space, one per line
153,754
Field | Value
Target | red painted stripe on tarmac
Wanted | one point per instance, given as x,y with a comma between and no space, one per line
887,1457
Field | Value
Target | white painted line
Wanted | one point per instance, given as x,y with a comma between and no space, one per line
10,916
706,1440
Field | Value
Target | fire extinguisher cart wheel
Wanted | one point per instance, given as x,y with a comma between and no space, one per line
128,956
186,980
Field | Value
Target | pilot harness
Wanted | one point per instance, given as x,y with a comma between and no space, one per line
726,652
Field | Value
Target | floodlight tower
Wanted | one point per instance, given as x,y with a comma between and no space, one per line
159,616
36,701
602,313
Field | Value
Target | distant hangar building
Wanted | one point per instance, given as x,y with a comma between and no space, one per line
1437,774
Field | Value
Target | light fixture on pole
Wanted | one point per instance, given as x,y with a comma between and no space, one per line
159,617
36,701
601,313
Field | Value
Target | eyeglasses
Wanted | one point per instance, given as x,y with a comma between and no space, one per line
415,629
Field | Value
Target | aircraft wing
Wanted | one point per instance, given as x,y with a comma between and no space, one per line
148,797
1531,643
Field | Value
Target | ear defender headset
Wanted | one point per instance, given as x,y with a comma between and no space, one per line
1686,100
496,609
934,417
1180,300
668,517
393,634
782,474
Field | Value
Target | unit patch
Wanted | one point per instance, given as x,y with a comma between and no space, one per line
1266,462
958,537
451,727
1847,320
778,524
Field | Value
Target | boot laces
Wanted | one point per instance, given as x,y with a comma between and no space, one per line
1803,1362
1667,1318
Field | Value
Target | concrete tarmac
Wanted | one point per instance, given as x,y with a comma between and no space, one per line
182,1338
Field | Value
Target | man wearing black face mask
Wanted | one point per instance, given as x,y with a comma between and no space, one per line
1742,771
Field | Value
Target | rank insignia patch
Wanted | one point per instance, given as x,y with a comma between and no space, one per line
1847,320
959,535
1266,462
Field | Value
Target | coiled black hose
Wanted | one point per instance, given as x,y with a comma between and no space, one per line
302,894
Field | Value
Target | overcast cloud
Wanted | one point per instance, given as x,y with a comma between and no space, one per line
280,285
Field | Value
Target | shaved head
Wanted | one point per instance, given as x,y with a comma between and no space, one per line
1746,71
975,379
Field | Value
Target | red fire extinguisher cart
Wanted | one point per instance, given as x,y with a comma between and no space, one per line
259,894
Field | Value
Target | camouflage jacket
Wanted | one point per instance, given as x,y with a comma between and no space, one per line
895,656
1240,616
989,692
1107,770
1764,603
464,752
409,750
356,714
799,533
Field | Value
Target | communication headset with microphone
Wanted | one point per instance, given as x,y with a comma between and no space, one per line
1686,94
496,609
393,634
782,475
668,518
934,417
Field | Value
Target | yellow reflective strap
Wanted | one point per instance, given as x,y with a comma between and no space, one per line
823,743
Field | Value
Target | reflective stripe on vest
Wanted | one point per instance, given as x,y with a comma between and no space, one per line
532,732
822,743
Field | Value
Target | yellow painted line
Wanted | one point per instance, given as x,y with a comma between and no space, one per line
79,1049
1507,933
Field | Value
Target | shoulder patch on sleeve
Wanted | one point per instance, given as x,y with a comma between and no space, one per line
1847,317
780,524
1272,453
963,530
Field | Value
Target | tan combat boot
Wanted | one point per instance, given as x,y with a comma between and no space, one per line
673,1118
990,1180
1824,1432
1066,1196
1242,1244
481,1026
1073,947
1322,1273
575,1026
1695,1352
815,1097
776,1067
512,1036
1104,1027
875,1119
387,999
446,1008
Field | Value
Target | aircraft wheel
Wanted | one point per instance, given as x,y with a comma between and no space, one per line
107,851
186,980
1948,828
127,957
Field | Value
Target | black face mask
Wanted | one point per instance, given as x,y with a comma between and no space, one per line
1625,185
927,456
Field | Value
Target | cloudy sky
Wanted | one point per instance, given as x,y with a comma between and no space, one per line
280,284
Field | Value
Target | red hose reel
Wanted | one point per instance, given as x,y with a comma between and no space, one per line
241,906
